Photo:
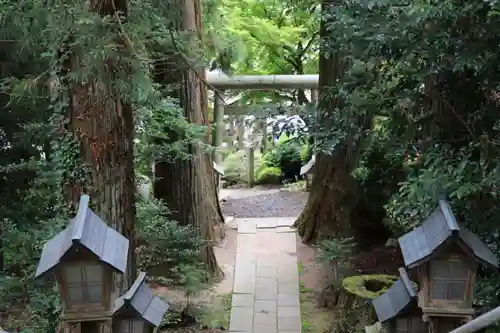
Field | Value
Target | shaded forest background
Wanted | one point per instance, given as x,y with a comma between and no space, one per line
408,114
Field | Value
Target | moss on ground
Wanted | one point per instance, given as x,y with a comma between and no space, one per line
219,312
314,320
368,286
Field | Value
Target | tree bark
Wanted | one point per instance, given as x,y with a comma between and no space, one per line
188,187
327,211
103,125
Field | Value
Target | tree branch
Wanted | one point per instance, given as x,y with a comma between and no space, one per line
309,43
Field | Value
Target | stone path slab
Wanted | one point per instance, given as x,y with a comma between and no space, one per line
266,281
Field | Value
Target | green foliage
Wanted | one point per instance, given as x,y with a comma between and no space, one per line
334,249
305,153
337,254
163,134
236,167
417,113
40,156
42,314
269,175
440,173
163,244
193,280
282,139
33,217
280,35
283,155
352,317
40,159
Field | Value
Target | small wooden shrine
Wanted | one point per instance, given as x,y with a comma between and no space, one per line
138,310
84,258
397,309
445,258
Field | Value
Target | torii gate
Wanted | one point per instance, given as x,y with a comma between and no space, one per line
221,82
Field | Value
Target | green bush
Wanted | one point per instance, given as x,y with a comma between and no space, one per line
235,167
304,153
33,306
271,159
269,175
162,244
285,156
289,153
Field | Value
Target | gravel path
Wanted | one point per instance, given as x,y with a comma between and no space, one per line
262,202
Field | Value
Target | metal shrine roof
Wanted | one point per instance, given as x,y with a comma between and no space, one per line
308,166
395,300
218,168
418,245
87,230
142,301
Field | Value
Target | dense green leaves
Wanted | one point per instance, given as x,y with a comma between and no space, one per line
46,49
425,73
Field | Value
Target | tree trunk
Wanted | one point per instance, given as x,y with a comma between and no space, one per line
327,209
103,125
188,187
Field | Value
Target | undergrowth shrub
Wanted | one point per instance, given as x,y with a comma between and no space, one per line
37,314
30,305
305,153
269,175
352,317
352,313
164,245
286,156
236,167
335,249
336,253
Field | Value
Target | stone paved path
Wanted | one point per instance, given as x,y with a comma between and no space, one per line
266,281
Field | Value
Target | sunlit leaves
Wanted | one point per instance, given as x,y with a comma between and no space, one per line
262,34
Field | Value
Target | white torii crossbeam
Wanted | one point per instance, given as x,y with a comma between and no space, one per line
222,81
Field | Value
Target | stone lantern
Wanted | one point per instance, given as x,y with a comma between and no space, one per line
138,310
84,258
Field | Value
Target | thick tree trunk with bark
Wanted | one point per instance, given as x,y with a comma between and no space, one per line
103,125
105,130
336,206
188,187
327,211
